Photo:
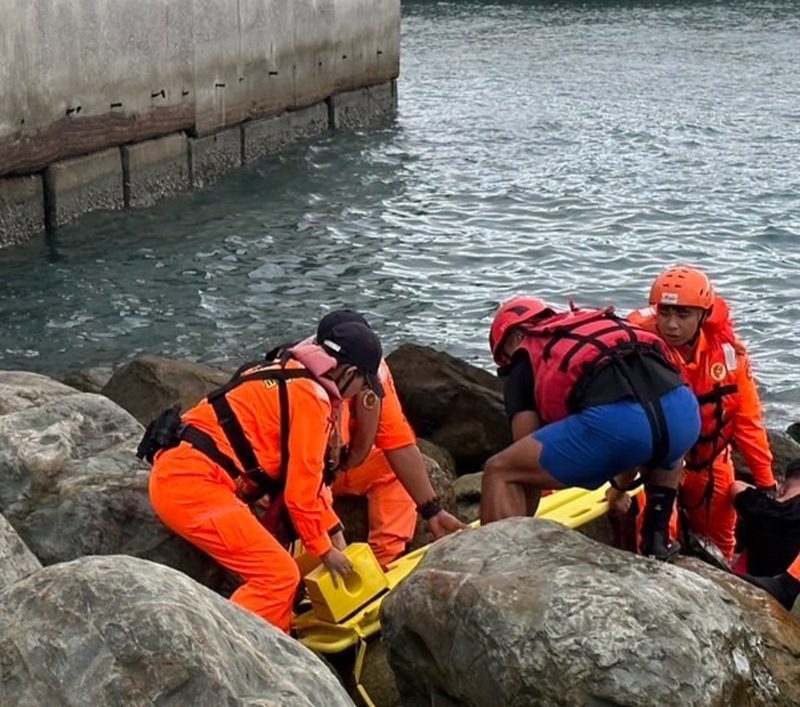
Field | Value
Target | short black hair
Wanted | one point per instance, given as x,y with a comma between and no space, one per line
792,470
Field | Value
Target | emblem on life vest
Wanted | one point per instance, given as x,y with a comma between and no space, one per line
718,371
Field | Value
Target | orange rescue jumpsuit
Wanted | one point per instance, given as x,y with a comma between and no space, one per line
197,499
391,510
720,376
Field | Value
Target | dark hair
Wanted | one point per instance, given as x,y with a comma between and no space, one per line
792,470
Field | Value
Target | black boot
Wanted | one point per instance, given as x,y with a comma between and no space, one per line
655,527
657,544
783,587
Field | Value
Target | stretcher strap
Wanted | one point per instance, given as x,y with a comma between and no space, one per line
358,667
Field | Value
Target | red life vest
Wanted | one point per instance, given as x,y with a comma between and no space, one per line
566,348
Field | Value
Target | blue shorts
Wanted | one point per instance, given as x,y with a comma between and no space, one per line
589,448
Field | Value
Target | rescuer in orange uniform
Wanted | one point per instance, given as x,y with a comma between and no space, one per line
380,459
265,432
696,326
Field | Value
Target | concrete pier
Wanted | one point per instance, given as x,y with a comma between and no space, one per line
155,169
120,104
21,208
82,184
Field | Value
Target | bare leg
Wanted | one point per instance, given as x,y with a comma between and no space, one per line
513,480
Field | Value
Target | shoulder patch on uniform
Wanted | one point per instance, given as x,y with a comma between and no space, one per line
730,356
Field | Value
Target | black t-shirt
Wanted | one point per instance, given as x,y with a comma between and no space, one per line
769,530
648,373
518,391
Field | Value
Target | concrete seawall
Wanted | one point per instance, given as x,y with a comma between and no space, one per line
111,104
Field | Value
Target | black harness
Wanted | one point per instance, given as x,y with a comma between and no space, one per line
613,354
167,430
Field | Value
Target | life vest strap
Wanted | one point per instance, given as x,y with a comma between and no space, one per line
715,395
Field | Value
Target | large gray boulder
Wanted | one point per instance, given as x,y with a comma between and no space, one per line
764,613
20,390
71,485
468,496
439,454
793,431
122,631
526,612
147,385
16,560
452,403
89,380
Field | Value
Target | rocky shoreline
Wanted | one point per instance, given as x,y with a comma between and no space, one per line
100,604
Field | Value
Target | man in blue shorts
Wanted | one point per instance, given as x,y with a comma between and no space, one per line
591,399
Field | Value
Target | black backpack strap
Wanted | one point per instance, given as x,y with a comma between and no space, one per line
236,435
654,413
280,352
205,444
167,430
283,396
233,431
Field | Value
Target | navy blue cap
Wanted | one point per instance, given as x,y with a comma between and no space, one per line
351,341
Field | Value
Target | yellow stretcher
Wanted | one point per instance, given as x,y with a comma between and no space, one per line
571,507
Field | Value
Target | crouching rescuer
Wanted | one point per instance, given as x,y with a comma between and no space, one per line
592,399
378,458
373,454
262,436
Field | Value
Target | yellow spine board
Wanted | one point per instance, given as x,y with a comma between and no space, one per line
322,632
335,600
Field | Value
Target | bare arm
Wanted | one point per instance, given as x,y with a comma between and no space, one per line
366,411
749,434
620,501
409,467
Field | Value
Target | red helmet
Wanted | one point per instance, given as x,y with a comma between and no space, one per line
683,287
513,313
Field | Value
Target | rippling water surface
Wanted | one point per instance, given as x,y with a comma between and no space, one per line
564,149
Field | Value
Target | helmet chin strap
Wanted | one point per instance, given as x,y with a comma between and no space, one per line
693,341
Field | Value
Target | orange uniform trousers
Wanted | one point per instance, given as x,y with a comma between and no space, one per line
711,515
392,514
196,499
716,517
